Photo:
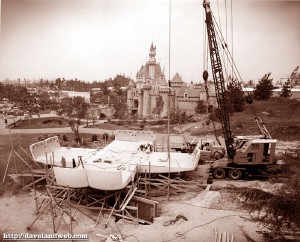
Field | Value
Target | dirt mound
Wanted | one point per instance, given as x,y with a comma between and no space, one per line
291,132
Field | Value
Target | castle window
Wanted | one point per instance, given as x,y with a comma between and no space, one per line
185,95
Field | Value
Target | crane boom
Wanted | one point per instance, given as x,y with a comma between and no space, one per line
218,76
246,155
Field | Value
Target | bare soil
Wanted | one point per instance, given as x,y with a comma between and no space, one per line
207,212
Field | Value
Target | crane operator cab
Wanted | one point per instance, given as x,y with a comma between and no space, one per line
254,151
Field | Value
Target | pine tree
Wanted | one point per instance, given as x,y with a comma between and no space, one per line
201,107
264,88
286,90
295,77
235,97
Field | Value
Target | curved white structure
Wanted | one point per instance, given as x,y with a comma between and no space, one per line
50,152
111,178
72,177
113,167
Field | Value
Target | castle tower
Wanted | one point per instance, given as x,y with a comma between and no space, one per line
152,61
144,91
177,83
140,103
146,101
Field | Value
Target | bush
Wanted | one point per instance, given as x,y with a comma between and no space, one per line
44,136
65,138
94,138
105,136
157,122
77,140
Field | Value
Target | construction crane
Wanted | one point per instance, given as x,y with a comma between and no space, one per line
246,155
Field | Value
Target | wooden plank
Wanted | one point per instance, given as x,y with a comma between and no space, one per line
30,184
128,199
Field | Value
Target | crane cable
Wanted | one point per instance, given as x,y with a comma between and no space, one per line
229,56
226,29
235,72
231,35
221,40
222,50
249,100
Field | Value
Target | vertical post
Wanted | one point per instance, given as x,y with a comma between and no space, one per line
145,181
70,211
169,91
46,167
7,165
13,149
34,190
52,162
53,222
149,181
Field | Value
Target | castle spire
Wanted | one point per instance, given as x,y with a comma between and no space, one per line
152,54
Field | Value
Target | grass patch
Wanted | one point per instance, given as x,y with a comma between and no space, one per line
162,129
281,117
41,123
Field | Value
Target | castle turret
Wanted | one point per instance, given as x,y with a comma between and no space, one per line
146,101
152,54
152,62
140,104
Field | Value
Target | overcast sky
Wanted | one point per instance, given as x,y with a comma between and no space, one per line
97,39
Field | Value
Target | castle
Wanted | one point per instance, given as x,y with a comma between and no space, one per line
149,95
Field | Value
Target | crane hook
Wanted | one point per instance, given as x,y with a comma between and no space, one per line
205,75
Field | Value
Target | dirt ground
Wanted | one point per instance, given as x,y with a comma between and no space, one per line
207,212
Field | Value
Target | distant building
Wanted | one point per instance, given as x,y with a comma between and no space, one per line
95,90
150,84
85,95
295,92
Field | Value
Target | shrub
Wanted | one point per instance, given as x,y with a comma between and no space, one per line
112,137
94,138
47,121
65,138
105,136
77,140
157,122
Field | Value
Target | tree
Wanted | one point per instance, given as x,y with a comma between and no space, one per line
264,88
235,97
286,90
104,88
178,117
2,88
119,103
72,109
99,97
159,105
201,107
295,77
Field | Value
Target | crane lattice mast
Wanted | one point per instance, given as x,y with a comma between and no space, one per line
218,76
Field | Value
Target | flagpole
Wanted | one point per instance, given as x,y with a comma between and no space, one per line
169,92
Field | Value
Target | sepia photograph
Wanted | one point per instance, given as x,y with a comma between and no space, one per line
150,120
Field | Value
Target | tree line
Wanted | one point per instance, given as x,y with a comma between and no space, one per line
263,90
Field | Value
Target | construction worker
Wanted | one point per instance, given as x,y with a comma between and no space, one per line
63,162
206,147
74,163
